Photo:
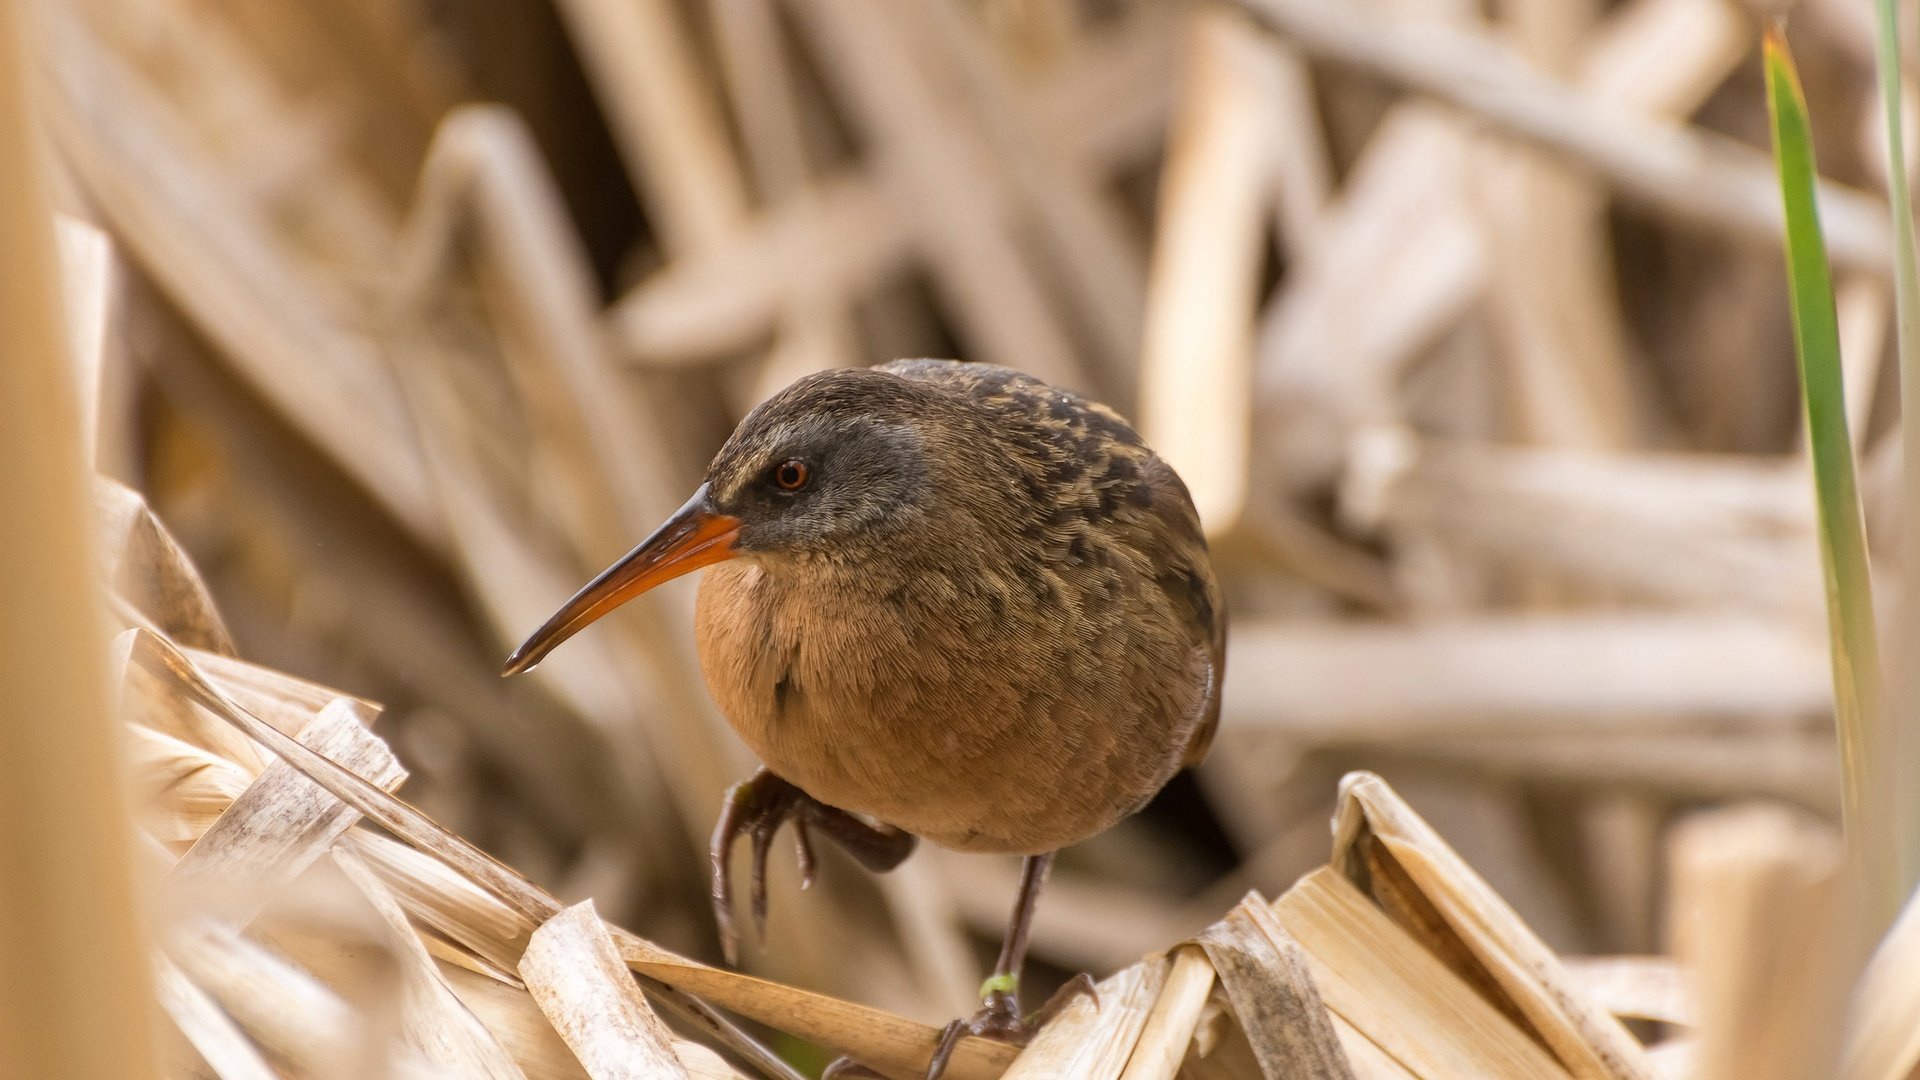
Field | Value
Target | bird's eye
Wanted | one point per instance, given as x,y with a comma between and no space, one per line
792,475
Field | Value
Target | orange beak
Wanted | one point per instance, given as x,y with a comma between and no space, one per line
696,535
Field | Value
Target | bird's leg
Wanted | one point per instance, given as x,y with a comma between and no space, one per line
758,807
1000,994
879,848
999,1016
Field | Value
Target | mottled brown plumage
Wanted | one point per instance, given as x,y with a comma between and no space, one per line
1038,621
965,604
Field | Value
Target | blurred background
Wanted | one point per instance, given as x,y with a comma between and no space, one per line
1464,321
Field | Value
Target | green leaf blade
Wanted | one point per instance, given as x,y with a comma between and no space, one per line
1869,806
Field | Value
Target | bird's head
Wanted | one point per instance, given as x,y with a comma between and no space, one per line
834,467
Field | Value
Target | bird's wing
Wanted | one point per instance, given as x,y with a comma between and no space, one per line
1215,650
1178,548
1168,529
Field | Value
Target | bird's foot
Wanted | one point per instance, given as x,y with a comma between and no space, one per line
757,807
998,1019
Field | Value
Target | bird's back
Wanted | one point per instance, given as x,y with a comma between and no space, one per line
1091,458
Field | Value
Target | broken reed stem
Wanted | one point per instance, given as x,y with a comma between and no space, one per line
1169,1028
522,896
77,1000
1757,894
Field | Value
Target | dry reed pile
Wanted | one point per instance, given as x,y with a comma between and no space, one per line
1465,324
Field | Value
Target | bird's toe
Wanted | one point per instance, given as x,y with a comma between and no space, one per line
1079,986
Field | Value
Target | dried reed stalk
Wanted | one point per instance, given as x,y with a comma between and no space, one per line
1197,350
77,999
935,160
1707,178
1758,896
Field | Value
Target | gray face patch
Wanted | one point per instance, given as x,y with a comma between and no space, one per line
867,477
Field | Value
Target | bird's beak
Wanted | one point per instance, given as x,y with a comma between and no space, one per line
696,535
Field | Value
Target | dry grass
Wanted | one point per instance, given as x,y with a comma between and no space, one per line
1466,328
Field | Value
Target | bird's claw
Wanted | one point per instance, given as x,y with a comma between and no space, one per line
756,807
1080,985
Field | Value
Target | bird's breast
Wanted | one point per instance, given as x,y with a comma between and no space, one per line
982,714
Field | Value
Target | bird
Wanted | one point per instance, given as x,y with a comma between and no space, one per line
946,601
